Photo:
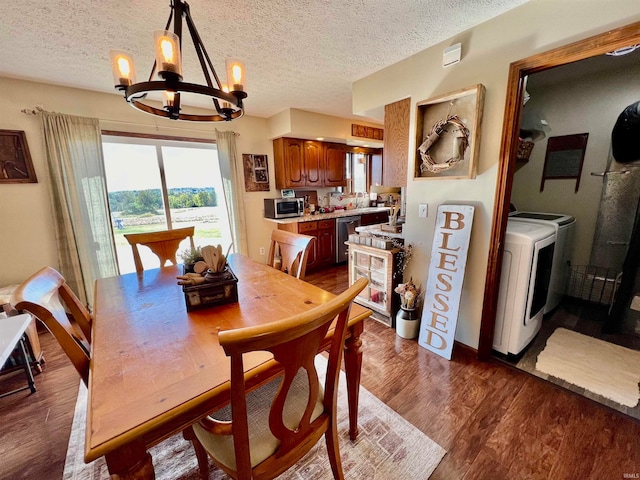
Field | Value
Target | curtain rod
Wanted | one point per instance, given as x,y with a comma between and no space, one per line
38,109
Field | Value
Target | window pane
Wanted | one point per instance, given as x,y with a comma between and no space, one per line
136,169
359,172
135,198
195,193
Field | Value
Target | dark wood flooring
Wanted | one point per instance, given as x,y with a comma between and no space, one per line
495,421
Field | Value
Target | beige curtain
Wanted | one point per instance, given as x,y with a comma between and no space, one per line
86,249
232,177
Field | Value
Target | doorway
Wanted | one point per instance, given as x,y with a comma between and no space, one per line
519,72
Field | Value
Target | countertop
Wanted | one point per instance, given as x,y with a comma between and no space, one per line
328,216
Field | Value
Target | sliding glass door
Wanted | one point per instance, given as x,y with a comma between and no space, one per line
156,184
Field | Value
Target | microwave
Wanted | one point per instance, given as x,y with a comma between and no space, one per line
283,207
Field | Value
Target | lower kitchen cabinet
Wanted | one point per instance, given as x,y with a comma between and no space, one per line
322,253
377,266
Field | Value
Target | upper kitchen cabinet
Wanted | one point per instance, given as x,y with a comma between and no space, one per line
306,163
298,163
396,143
335,174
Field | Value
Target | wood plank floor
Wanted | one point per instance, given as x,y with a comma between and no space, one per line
495,421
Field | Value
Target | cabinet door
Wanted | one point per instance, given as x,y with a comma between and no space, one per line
313,162
326,243
294,163
311,228
335,165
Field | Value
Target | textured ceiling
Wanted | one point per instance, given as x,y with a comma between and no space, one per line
301,54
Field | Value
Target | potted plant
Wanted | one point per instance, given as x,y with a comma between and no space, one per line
407,321
189,257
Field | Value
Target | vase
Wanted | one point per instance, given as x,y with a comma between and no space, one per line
407,323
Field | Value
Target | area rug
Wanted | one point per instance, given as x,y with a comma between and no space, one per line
600,367
388,447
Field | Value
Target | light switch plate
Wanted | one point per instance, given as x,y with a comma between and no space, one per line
635,303
422,210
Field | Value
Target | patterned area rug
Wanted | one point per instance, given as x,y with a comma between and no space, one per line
388,447
600,367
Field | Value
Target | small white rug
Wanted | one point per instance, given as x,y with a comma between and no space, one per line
600,367
388,447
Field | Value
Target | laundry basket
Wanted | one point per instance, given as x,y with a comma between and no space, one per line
593,284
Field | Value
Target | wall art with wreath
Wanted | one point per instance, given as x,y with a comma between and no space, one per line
448,134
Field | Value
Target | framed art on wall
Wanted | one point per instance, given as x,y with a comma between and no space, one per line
256,172
15,161
448,134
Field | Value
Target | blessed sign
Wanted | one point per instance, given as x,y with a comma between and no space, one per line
446,274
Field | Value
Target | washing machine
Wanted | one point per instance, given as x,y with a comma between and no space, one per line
524,284
565,226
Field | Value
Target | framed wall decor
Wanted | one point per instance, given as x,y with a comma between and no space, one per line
15,161
448,134
256,172
564,158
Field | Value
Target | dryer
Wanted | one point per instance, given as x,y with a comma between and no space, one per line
524,285
565,226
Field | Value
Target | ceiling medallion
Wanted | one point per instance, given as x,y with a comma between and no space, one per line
227,100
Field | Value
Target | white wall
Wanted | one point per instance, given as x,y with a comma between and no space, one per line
487,51
26,235
590,104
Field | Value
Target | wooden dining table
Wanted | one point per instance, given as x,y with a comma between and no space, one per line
157,368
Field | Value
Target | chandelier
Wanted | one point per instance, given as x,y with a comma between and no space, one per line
227,99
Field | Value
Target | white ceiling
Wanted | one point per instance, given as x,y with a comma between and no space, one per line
302,54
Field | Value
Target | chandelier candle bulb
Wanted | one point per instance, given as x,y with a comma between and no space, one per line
169,99
235,74
225,88
168,52
124,73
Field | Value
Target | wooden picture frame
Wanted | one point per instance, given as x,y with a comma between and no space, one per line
445,149
15,160
256,172
564,158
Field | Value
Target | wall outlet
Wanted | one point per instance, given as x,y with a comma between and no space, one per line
261,250
422,210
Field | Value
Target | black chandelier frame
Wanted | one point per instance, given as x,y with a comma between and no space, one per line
172,81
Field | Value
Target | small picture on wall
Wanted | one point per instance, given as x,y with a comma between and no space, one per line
256,172
15,160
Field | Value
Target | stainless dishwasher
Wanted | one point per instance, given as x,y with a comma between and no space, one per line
344,227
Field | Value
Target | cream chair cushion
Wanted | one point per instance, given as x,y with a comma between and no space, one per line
262,443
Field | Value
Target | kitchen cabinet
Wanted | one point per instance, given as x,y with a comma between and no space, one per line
298,163
322,253
306,163
378,267
335,157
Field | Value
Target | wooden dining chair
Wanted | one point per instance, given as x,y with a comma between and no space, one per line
164,244
267,430
289,252
45,295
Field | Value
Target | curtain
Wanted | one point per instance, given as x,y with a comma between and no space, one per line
232,174
86,249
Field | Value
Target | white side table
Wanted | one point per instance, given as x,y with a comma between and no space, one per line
11,334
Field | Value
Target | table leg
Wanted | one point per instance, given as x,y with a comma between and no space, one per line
353,368
27,366
130,462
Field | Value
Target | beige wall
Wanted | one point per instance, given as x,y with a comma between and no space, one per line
487,52
590,104
26,235
308,125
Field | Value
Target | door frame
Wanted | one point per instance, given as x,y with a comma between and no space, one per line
580,50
